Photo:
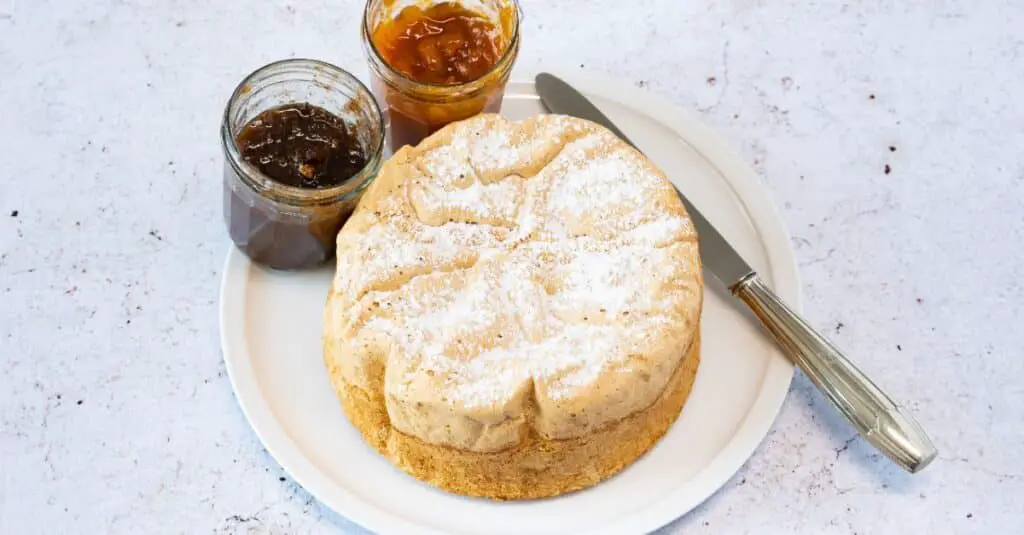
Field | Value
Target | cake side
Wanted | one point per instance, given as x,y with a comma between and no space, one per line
536,467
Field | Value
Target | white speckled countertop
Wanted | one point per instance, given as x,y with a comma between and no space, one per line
890,134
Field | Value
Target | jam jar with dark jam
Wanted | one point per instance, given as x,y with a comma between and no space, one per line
302,139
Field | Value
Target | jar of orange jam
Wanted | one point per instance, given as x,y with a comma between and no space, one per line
435,62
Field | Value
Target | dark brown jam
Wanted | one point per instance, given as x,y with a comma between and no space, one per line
301,146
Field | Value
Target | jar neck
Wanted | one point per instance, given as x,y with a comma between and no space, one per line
253,179
398,81
254,95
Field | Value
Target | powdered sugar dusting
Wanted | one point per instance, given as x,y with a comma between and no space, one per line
495,149
488,280
494,204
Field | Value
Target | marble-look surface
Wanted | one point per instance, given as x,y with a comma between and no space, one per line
889,133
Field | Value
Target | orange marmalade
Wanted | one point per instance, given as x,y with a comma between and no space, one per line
442,44
436,63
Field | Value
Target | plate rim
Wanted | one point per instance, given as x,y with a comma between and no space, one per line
782,274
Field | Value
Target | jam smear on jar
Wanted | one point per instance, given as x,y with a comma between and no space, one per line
442,44
302,146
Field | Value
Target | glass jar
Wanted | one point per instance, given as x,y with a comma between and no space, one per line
283,226
414,109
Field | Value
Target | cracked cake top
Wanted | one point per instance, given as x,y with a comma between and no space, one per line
503,277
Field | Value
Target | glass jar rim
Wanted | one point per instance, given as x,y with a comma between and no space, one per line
293,194
512,48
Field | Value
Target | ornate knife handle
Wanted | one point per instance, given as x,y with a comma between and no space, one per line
878,419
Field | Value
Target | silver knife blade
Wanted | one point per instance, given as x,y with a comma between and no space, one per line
716,253
872,412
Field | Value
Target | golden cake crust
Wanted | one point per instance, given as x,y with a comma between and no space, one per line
514,298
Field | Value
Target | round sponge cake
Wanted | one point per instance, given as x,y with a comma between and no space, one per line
516,307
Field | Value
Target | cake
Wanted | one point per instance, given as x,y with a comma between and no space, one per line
515,311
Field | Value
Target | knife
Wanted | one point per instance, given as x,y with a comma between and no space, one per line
871,411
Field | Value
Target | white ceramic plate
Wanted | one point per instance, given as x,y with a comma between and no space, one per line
271,334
